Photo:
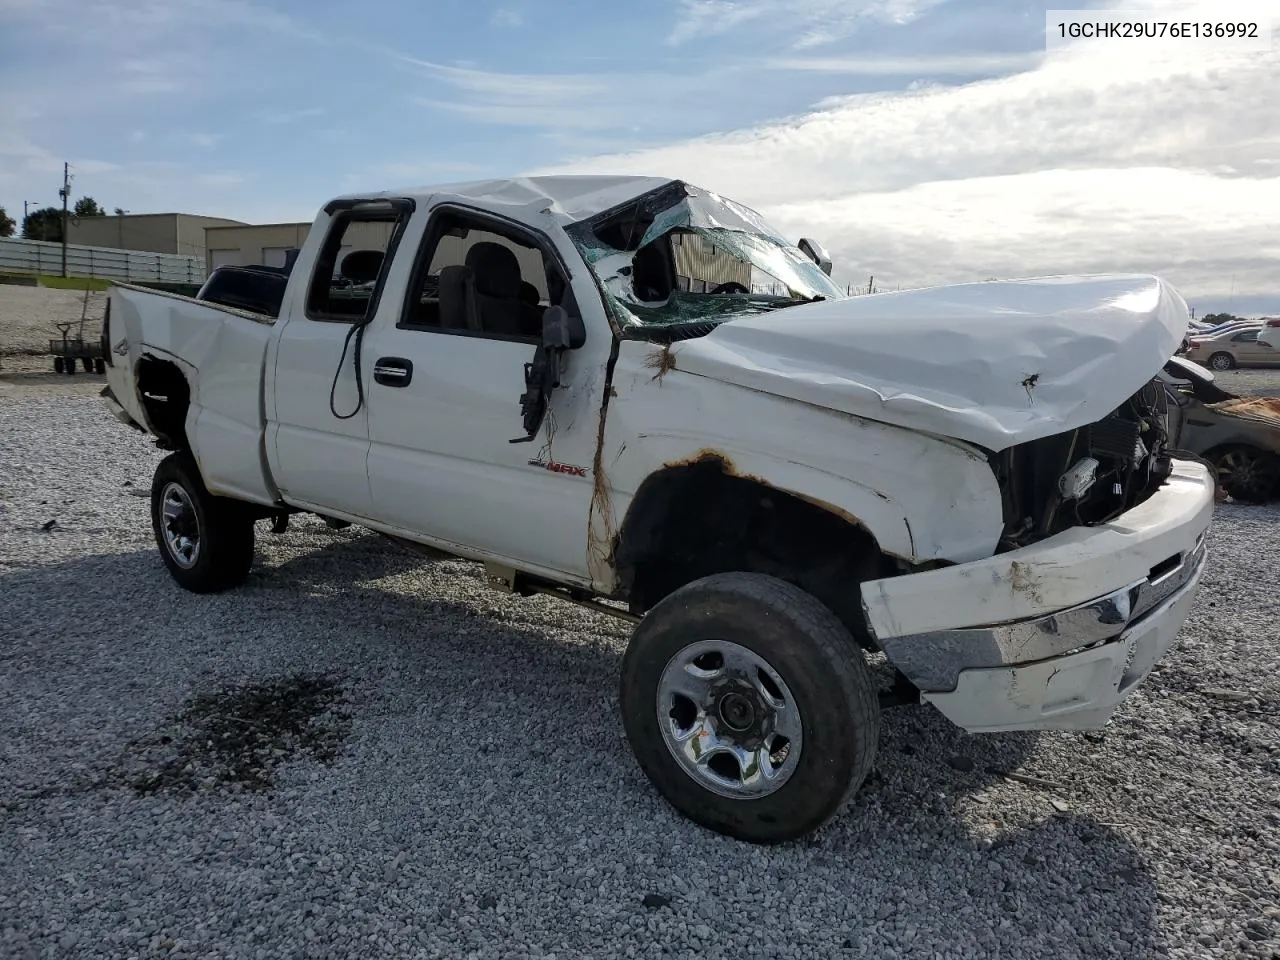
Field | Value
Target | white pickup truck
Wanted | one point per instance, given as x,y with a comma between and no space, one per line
637,395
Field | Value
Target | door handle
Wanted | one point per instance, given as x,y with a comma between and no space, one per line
393,371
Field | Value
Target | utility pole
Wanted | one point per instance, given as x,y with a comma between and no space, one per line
65,192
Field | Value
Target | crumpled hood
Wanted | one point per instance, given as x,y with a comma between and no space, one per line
995,364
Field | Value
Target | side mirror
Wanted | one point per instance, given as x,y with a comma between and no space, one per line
561,331
817,253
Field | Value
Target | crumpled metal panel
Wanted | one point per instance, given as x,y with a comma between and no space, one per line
995,364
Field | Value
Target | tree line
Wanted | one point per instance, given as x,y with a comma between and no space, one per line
46,223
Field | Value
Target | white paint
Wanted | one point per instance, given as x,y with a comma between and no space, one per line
221,351
870,407
317,459
920,496
996,363
1075,692
1070,568
441,466
564,199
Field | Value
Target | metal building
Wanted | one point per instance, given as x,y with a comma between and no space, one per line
177,233
247,244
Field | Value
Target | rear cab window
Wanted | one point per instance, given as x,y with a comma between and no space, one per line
359,245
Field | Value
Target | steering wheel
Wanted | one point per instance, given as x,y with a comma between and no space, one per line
732,286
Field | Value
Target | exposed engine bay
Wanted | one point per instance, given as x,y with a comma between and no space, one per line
1086,476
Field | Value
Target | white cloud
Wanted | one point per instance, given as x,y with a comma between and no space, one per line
1207,234
205,141
1089,162
506,18
277,117
922,65
810,22
561,104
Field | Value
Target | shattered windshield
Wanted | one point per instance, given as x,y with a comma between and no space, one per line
681,255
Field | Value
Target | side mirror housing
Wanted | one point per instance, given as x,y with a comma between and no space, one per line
562,330
817,253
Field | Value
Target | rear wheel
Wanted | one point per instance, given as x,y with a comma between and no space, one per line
88,364
1247,474
749,706
99,366
1222,361
59,365
204,540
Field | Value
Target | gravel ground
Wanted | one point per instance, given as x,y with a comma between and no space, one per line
1253,382
362,754
29,317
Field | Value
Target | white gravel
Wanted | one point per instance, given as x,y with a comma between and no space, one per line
29,316
479,800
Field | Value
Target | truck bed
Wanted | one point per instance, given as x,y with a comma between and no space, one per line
220,352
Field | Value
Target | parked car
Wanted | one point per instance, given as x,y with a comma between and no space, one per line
1239,436
1269,335
1206,330
1229,349
1223,327
973,479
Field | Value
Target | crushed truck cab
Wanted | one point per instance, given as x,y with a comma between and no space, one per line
637,395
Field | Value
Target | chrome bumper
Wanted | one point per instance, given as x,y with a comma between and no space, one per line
934,661
1042,637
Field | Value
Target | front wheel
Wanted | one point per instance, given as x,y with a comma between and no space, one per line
749,706
1247,474
204,540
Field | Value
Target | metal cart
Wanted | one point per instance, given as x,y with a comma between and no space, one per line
69,349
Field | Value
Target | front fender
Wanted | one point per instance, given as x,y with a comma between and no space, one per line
921,497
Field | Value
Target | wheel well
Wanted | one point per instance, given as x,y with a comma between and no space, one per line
695,519
165,396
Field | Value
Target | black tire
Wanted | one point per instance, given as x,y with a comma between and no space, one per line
224,529
1222,361
99,366
70,367
1247,474
88,364
59,365
822,668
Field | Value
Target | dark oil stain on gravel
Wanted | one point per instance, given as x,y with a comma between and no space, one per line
236,737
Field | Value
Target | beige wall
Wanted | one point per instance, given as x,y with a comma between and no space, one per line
697,259
178,233
243,245
192,231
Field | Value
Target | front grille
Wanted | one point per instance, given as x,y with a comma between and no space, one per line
1129,446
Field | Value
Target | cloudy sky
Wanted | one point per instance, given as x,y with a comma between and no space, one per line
923,141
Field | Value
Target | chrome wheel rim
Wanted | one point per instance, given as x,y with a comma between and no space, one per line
180,525
729,719
1220,362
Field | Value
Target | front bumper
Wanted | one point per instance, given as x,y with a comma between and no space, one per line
1054,635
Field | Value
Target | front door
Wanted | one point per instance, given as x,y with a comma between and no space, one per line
445,380
317,413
